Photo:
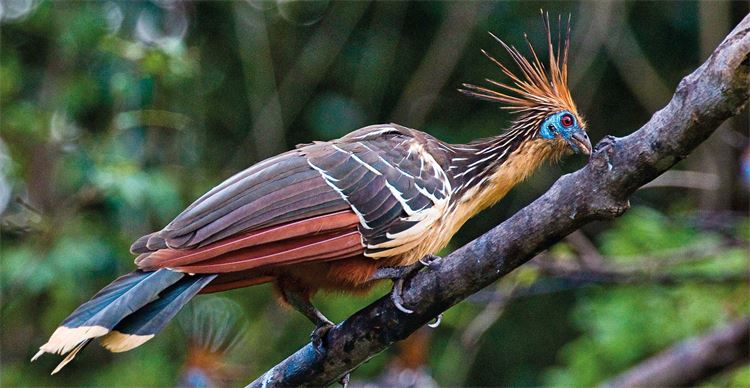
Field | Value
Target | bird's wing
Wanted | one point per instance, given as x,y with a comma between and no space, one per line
277,190
278,211
392,180
374,191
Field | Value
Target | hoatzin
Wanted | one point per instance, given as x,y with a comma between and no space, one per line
335,215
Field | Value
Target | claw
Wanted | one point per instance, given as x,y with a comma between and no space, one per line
398,301
345,380
437,321
302,304
431,260
398,274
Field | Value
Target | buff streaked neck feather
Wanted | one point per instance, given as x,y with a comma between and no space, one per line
500,179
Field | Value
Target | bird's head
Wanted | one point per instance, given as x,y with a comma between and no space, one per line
539,95
565,128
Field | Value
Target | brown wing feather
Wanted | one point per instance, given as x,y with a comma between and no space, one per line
339,222
235,280
313,248
275,191
277,212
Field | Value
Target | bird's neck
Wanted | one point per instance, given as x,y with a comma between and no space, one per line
475,163
485,170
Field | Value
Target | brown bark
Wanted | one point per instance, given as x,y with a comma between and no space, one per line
717,90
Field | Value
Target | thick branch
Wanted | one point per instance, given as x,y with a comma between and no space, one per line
718,89
691,361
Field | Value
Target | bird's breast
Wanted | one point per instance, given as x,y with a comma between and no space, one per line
486,192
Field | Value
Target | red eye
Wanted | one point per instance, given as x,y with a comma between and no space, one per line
567,121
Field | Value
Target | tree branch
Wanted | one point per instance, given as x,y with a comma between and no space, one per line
623,276
717,90
691,361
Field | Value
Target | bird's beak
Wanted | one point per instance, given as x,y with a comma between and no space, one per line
579,142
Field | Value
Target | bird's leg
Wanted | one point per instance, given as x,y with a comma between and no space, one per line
400,274
322,324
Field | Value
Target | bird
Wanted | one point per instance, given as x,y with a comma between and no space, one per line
337,215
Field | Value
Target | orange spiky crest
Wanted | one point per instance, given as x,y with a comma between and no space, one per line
534,93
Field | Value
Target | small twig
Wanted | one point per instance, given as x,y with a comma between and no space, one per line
691,361
591,32
299,82
379,54
588,254
422,91
661,259
487,317
634,67
28,206
674,257
624,276
685,179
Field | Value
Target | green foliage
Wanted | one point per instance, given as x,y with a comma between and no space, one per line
644,231
625,324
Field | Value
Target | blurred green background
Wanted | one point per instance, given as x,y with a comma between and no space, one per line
116,115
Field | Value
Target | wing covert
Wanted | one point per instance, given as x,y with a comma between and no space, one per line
391,181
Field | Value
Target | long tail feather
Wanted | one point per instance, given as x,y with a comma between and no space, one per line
142,325
134,308
71,356
109,306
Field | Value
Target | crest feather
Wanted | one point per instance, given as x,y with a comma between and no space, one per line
535,89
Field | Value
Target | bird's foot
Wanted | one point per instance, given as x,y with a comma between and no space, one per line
608,142
605,149
431,261
399,276
318,336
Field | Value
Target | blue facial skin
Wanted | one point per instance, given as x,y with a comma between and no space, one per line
573,134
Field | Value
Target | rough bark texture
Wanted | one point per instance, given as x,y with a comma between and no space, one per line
717,90
691,361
